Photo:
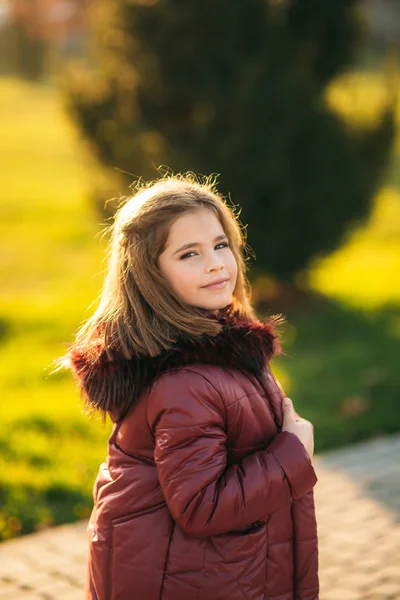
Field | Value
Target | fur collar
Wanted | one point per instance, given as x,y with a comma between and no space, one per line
113,386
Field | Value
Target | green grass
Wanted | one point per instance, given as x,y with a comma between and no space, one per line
51,263
340,371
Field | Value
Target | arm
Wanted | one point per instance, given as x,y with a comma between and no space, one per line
206,497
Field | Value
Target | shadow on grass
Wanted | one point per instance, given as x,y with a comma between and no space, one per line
26,509
5,329
40,489
54,429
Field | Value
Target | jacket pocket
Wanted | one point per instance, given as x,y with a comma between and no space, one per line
184,567
236,561
139,549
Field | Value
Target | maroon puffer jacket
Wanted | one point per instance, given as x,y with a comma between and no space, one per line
202,496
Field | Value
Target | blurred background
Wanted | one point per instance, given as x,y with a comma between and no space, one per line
295,105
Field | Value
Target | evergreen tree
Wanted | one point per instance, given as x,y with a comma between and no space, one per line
236,87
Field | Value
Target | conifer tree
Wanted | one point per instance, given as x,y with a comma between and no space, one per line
236,87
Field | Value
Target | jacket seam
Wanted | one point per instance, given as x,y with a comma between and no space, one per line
91,584
277,543
247,395
244,396
110,567
208,381
205,379
166,560
291,489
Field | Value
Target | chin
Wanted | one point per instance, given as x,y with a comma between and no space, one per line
215,304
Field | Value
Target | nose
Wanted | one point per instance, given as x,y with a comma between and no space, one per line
215,263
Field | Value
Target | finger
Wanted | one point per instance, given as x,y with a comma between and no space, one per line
288,409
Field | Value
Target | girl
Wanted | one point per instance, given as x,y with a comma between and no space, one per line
207,489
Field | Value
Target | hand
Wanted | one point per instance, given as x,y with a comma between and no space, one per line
297,425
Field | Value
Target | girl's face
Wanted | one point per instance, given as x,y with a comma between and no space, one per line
197,254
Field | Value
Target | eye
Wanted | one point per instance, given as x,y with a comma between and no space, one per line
187,255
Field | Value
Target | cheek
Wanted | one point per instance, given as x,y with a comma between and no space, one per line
170,272
232,265
184,276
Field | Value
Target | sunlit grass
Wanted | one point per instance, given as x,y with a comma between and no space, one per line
51,260
365,272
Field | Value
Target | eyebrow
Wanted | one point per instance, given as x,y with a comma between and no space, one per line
192,244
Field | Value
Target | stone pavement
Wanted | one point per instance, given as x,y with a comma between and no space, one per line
357,502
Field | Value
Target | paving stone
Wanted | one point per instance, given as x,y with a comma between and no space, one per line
6,589
35,581
18,594
19,571
389,589
390,573
56,589
340,593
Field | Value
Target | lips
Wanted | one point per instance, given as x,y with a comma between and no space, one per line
216,282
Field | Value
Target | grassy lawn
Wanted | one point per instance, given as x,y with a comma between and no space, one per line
50,261
340,370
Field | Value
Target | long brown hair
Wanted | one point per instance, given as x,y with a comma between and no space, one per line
138,313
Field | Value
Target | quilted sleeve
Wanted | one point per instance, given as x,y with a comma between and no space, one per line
306,581
186,415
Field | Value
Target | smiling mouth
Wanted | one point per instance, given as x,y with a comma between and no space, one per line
217,285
